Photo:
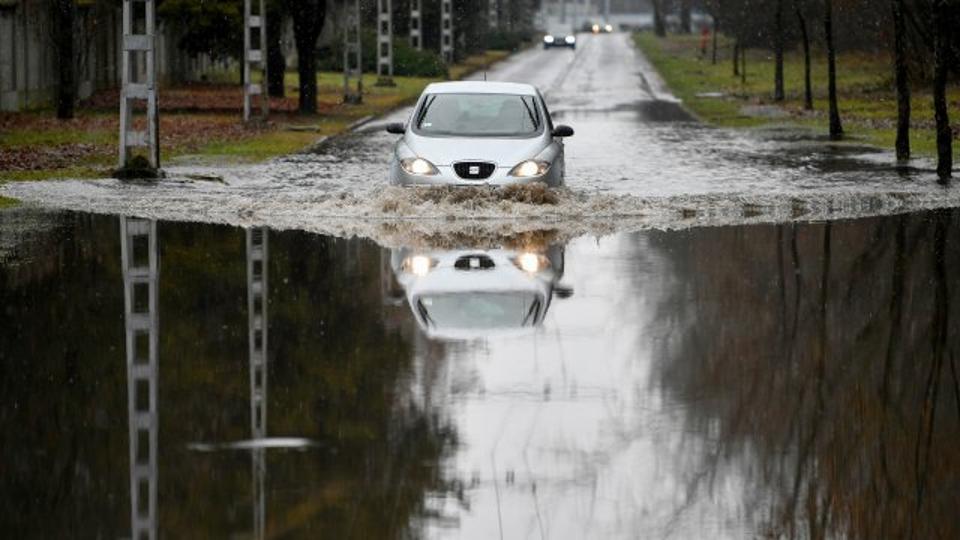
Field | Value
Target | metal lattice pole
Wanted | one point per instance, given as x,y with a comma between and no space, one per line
352,59
446,30
385,43
138,254
416,34
254,59
257,293
135,89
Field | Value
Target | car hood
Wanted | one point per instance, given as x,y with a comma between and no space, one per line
444,151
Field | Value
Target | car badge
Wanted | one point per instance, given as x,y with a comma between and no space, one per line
474,169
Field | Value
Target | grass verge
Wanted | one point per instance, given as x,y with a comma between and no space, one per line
36,146
866,93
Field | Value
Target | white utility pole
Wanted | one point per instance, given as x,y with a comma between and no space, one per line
606,11
257,294
416,34
138,256
493,13
385,43
254,58
135,89
352,51
446,30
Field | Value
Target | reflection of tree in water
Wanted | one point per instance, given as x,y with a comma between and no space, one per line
823,359
337,376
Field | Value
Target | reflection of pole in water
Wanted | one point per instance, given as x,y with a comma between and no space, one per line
257,313
138,255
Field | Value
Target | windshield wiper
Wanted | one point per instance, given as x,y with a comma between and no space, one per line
423,111
536,124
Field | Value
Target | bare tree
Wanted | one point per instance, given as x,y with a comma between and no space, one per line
903,81
778,40
276,63
942,41
308,18
659,27
686,25
836,127
63,14
805,42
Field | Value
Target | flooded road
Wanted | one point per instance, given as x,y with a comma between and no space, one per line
638,160
206,381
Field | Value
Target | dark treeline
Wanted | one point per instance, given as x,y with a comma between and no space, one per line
921,36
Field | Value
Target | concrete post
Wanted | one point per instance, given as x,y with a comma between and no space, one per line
446,31
352,57
255,58
140,268
135,89
385,43
416,34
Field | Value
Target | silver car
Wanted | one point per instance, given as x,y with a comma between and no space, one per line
479,133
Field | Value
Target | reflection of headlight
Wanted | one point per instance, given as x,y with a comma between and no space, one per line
570,39
419,265
548,39
531,263
530,168
418,166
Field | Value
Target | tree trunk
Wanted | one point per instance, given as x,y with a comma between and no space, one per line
686,25
736,58
836,128
716,30
903,81
778,91
276,63
941,63
64,12
805,40
308,19
743,64
659,28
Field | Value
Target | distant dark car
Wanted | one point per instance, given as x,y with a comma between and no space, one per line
562,38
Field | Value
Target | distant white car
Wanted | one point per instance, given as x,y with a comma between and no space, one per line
465,294
479,133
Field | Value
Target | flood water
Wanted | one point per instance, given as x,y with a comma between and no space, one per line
795,380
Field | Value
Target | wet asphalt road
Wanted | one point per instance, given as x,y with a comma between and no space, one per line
462,378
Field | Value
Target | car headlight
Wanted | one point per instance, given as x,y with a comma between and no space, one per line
570,40
548,39
608,28
530,168
419,265
596,28
531,263
418,166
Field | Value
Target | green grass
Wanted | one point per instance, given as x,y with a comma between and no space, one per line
6,202
866,97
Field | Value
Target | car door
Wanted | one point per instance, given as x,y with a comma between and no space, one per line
561,161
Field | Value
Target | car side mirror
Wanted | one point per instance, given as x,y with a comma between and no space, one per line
396,128
563,131
563,291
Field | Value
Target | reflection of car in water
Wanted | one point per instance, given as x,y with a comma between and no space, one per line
462,294
479,133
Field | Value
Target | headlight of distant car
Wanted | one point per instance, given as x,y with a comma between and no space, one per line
596,29
608,28
418,166
530,168
570,40
531,263
419,265
548,39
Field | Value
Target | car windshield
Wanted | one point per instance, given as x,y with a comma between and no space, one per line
479,310
479,115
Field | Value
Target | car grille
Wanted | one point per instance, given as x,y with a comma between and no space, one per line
474,170
474,262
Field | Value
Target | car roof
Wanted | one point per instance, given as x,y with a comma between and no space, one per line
481,87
